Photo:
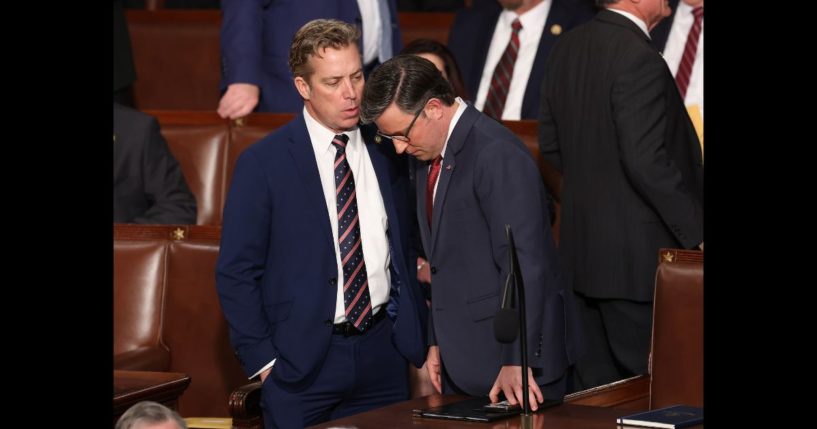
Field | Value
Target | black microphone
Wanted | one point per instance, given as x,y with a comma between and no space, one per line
509,323
506,322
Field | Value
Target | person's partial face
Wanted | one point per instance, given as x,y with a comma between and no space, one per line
653,11
421,139
694,3
438,62
333,91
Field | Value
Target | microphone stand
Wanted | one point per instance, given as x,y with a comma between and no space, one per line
523,341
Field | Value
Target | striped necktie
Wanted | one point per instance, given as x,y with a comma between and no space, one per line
501,80
688,59
356,299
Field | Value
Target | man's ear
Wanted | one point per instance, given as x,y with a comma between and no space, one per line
303,87
434,108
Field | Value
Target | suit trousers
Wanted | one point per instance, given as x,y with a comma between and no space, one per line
617,335
359,373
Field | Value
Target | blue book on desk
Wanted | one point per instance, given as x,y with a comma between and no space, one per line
676,416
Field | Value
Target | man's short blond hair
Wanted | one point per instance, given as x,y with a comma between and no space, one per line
315,36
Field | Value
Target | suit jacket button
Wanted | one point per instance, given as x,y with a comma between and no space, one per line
333,281
433,270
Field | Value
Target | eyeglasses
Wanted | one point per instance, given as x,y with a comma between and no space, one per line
404,138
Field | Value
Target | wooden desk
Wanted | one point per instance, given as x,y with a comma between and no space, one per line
565,416
130,387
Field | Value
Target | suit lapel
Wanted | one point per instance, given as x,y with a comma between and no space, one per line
300,149
455,145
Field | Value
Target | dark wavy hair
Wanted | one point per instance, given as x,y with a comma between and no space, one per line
452,70
407,80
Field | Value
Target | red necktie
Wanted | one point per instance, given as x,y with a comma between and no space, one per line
688,59
433,173
501,80
356,299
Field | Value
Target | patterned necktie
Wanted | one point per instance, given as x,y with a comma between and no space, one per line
688,59
433,173
356,299
501,80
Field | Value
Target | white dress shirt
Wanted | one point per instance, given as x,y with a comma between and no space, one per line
370,207
373,220
374,23
674,50
533,24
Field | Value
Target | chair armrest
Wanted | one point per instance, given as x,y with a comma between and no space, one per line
143,359
245,406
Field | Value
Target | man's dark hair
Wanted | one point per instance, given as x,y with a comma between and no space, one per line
601,3
407,80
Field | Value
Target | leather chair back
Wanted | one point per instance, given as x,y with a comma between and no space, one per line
678,330
139,293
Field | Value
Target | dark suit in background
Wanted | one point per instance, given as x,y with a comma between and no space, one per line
256,36
148,185
472,31
612,121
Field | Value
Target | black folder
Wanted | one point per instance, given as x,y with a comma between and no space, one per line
472,409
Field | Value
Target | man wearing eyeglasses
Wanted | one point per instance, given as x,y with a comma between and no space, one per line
315,275
474,176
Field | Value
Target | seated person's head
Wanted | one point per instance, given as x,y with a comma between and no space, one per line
442,57
150,415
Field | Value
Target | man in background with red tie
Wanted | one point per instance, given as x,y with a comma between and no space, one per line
501,47
612,121
316,274
473,177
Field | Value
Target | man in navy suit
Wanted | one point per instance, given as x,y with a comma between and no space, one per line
315,275
480,35
255,37
478,177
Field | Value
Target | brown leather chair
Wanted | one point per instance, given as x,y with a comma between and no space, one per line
678,330
202,153
139,291
175,267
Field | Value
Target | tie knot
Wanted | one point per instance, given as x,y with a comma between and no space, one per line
698,12
516,25
339,141
437,161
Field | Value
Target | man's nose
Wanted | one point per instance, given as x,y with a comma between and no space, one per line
399,146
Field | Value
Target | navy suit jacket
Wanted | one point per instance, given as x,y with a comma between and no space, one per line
256,36
489,179
471,34
277,275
